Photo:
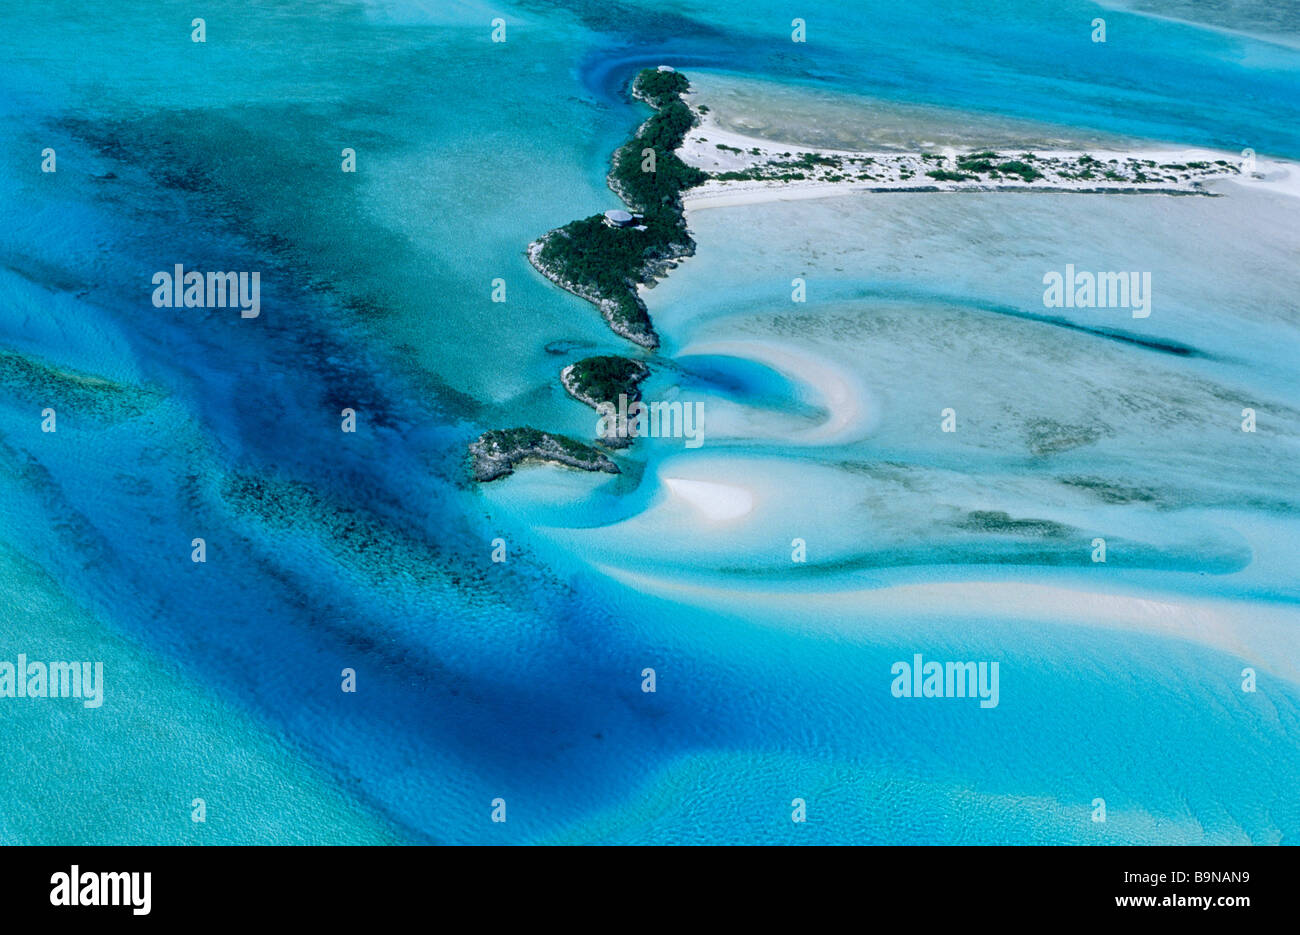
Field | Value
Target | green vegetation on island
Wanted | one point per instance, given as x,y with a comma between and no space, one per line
946,175
604,259
605,263
598,381
595,380
1022,169
658,88
981,169
981,162
497,453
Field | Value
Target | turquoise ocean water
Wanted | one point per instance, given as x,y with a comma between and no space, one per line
522,680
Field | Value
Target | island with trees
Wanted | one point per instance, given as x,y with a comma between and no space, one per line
597,380
496,453
605,259
606,263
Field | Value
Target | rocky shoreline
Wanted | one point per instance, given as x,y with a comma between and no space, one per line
497,453
606,259
644,336
607,263
577,382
